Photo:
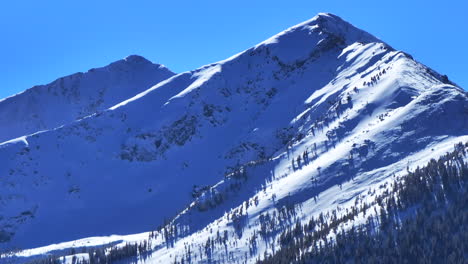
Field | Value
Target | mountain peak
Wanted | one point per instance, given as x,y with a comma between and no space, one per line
136,62
327,24
323,32
78,95
335,25
326,15
132,60
136,59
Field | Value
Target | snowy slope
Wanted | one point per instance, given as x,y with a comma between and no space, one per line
75,96
354,110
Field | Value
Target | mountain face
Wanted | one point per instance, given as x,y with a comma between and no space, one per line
73,97
313,119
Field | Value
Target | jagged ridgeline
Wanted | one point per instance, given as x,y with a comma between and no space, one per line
279,153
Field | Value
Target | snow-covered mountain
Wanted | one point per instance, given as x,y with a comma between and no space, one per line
308,121
70,98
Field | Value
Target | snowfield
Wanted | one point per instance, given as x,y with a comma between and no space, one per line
314,119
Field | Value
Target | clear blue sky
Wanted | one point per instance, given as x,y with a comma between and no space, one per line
43,40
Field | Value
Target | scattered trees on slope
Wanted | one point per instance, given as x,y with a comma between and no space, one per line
422,219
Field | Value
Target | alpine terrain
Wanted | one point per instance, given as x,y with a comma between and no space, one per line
73,97
320,144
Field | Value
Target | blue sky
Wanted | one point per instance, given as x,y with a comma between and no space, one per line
44,40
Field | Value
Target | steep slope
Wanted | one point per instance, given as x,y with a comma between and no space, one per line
306,121
421,219
75,96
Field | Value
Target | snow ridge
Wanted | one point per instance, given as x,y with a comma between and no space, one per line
305,122
76,96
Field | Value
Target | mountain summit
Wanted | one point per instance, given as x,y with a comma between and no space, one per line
326,23
226,157
73,97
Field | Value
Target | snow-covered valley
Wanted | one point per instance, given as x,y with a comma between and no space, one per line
317,118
